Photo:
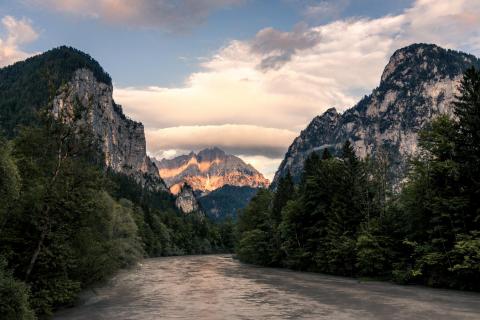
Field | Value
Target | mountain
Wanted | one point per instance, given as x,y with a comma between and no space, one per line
419,82
69,77
226,201
208,170
211,181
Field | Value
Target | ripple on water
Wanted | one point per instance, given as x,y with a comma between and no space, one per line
218,287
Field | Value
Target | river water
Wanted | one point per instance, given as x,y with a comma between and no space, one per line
219,287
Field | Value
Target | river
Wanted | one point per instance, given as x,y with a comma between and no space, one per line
219,287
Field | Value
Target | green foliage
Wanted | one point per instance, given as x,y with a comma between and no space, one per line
291,235
283,194
372,255
344,219
256,227
226,201
253,247
14,296
67,223
9,181
466,260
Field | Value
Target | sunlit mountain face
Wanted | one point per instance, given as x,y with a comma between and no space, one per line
209,170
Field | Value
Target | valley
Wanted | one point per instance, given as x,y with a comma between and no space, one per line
239,159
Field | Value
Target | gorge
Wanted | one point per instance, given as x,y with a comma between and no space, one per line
82,199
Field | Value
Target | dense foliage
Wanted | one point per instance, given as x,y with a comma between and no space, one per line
343,217
66,222
224,203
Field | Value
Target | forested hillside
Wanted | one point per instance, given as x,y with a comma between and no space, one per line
67,220
225,202
344,219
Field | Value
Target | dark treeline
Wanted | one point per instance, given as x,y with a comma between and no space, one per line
344,219
66,222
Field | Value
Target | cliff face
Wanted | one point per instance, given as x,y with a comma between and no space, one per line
26,88
419,82
122,139
208,170
186,200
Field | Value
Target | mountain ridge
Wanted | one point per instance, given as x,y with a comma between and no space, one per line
418,83
207,170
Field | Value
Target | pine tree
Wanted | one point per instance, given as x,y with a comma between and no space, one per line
467,142
326,154
348,154
285,192
9,182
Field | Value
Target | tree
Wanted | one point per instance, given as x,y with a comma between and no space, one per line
326,154
14,296
285,192
467,142
255,230
9,181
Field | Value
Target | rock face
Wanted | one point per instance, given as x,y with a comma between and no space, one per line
419,82
122,139
186,200
208,170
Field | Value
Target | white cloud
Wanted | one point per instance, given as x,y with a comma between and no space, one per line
16,32
280,80
248,140
178,15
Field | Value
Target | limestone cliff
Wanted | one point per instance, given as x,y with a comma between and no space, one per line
419,83
186,200
122,139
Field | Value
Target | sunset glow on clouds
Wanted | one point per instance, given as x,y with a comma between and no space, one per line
254,95
281,80
178,15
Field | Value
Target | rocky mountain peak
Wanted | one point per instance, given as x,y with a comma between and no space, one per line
331,112
77,79
418,83
208,170
424,62
210,154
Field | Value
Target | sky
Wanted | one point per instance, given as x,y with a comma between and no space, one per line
244,75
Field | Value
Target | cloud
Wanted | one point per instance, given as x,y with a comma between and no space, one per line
177,16
248,140
267,166
280,80
16,32
278,47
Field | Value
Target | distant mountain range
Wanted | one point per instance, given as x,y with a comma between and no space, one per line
419,83
209,170
223,183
